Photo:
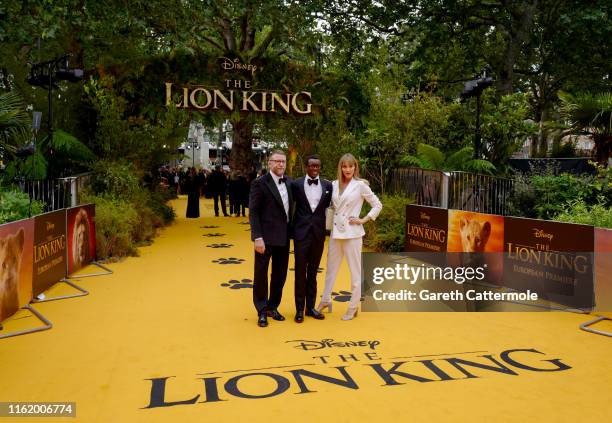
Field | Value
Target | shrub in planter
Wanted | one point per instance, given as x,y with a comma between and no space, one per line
158,202
115,222
544,195
387,232
116,184
14,205
116,179
579,211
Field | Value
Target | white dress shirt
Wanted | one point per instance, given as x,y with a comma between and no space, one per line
313,192
282,189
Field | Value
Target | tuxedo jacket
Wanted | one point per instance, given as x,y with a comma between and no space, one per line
217,182
266,212
304,219
349,205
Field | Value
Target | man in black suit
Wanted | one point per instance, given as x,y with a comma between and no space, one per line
312,196
217,185
270,209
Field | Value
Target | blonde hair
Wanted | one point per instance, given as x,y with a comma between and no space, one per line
350,159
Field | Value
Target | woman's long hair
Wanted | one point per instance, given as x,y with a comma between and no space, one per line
349,159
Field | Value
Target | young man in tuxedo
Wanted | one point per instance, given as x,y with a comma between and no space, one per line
270,209
312,196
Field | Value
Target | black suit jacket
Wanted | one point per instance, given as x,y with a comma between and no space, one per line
217,182
267,213
305,220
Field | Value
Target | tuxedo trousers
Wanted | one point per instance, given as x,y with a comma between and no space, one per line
307,252
337,249
266,299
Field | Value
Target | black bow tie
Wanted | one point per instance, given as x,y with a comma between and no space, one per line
282,180
313,181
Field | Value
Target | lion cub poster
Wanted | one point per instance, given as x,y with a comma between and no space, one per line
16,247
481,235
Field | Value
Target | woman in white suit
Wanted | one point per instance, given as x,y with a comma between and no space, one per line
347,232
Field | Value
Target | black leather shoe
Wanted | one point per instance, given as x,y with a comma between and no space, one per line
276,315
314,313
299,317
262,322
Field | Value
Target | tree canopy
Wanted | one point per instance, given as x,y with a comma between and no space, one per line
384,76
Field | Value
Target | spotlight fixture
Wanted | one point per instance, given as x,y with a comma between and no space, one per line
474,88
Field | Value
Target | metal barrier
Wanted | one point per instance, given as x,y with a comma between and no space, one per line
452,190
428,187
56,193
479,193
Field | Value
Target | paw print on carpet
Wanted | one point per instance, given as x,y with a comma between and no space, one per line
209,227
230,260
342,296
235,284
213,234
220,245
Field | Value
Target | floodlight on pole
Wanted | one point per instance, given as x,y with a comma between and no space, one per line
474,88
45,75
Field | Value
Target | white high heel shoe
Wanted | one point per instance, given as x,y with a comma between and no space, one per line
351,313
323,305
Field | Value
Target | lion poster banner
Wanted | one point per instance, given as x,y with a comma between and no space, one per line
49,250
481,238
603,269
16,252
81,237
426,229
551,258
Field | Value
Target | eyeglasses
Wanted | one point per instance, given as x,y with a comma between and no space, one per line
277,161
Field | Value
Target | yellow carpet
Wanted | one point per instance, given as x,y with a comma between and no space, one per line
174,315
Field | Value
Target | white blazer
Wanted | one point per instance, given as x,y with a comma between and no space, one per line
349,205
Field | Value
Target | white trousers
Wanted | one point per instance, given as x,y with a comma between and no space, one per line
351,249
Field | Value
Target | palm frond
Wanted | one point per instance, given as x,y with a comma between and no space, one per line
587,111
14,119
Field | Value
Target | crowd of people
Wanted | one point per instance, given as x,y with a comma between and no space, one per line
222,185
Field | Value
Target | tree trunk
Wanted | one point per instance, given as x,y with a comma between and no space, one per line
517,37
542,149
241,157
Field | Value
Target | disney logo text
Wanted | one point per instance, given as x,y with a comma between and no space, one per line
330,343
229,64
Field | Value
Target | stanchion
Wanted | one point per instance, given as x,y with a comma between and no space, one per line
82,294
107,271
48,324
586,326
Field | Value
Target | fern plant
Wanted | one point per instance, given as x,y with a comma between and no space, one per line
65,150
429,157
